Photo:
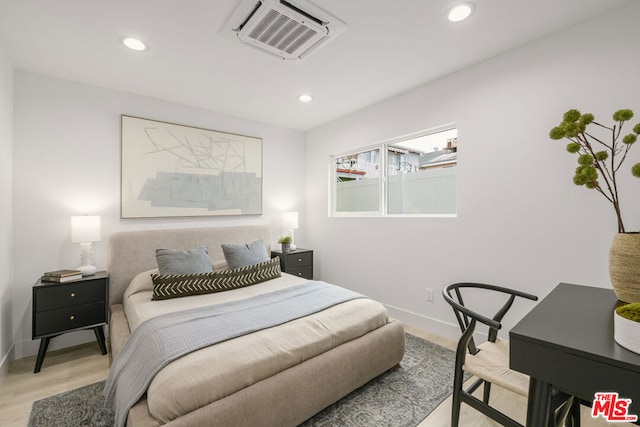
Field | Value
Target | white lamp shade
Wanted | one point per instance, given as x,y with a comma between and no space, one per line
290,220
85,229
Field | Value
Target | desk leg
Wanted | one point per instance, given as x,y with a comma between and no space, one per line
100,338
44,344
539,404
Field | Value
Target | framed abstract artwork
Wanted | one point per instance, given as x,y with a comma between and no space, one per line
172,170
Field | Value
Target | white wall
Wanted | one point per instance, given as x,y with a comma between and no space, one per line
67,162
521,221
6,220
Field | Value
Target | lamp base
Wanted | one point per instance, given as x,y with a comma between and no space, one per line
293,245
85,259
87,270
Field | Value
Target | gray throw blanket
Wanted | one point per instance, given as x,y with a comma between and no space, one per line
158,341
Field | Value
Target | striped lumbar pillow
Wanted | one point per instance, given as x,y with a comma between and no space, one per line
167,286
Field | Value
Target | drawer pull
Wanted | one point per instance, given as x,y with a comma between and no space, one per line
299,274
72,317
299,259
73,294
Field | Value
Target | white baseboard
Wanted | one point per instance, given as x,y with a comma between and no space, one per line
419,321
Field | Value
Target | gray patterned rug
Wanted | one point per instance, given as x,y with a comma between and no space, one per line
401,397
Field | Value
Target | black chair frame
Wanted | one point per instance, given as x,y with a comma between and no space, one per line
564,407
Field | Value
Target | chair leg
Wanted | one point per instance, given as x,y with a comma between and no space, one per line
559,415
575,412
486,392
455,398
566,413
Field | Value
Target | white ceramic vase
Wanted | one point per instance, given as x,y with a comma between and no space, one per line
626,332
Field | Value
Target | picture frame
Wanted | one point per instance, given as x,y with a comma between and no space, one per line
173,170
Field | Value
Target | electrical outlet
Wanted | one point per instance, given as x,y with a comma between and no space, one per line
429,294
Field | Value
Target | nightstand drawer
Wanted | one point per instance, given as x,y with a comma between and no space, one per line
297,260
65,295
68,318
305,271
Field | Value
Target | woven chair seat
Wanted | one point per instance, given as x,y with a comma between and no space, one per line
491,363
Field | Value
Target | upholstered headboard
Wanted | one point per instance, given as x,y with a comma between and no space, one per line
133,252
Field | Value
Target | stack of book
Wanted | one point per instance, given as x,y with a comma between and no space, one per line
61,276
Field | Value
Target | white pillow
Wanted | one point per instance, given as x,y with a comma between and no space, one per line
142,282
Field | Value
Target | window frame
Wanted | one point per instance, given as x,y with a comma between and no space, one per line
382,146
333,178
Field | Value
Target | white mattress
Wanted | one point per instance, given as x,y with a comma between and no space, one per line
207,375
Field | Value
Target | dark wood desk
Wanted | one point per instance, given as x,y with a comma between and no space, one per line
567,342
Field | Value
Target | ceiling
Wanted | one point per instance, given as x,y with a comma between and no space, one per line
389,47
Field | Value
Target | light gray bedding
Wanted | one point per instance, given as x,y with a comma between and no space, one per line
157,342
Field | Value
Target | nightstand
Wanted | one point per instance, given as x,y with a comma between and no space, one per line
59,308
298,262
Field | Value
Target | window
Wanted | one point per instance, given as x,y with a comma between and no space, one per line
417,177
357,181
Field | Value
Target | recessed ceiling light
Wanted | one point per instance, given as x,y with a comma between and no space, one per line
305,98
133,43
460,12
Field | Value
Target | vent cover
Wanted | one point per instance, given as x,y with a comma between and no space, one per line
284,29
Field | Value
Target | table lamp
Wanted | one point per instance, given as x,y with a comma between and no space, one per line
85,230
290,223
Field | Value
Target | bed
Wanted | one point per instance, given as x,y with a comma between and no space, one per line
256,389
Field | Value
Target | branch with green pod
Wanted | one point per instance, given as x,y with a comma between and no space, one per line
598,159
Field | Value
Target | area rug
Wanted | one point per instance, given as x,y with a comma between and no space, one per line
401,397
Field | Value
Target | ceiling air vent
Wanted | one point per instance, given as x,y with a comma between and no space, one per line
290,30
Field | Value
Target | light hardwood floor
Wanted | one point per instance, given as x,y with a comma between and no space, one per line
74,367
62,370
